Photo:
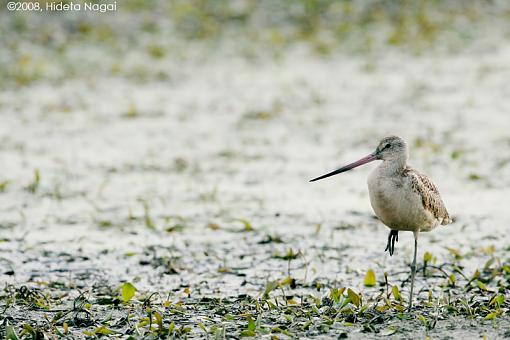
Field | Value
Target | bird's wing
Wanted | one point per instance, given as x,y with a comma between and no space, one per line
429,194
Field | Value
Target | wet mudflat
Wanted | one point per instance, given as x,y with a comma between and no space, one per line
165,193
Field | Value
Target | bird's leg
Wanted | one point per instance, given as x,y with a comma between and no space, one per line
392,237
413,270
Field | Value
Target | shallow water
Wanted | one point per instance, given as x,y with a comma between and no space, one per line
150,182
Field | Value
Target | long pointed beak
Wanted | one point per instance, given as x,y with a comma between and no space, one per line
348,167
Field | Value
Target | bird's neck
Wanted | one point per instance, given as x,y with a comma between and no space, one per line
392,166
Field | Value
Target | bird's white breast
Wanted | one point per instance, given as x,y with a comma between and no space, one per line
395,202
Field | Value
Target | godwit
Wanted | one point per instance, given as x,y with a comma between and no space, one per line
402,198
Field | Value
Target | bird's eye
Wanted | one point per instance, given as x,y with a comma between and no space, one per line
387,146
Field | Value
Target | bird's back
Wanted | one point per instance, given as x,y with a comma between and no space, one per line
427,190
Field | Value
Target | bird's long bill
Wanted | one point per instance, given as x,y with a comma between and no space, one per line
348,167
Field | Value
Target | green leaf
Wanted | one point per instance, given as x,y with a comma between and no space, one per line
3,185
247,333
422,319
128,291
27,329
10,333
456,154
247,225
306,325
497,300
272,305
488,264
474,177
491,316
288,281
481,285
251,324
270,286
159,321
427,257
396,293
452,279
202,327
355,299
103,331
370,278
334,294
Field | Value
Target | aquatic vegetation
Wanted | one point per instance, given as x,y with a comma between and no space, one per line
284,307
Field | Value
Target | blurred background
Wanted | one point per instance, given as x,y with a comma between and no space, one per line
186,132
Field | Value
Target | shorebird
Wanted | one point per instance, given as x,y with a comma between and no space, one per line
402,198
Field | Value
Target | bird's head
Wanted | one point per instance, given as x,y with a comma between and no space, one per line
391,148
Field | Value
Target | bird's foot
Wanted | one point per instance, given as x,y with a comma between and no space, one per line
392,237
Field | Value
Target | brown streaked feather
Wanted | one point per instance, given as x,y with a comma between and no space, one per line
429,194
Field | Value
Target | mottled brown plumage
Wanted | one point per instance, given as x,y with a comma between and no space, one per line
429,194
